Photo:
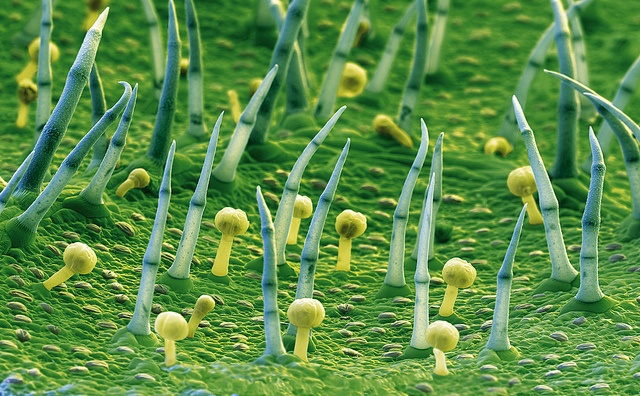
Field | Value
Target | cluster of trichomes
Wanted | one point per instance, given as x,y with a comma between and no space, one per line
27,205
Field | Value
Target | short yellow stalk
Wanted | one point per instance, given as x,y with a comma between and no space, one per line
231,222
441,363
78,259
450,294
344,255
221,262
443,337
203,306
535,217
302,343
384,125
169,352
458,273
62,275
349,224
292,238
172,327
304,313
138,178
522,183
234,103
253,86
302,209
23,111
498,145
32,67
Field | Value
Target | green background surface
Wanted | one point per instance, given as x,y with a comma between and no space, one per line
485,49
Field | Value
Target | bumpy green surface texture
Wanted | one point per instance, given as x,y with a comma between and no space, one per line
485,49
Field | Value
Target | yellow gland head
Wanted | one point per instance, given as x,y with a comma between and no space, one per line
499,145
353,81
350,224
204,305
54,52
140,177
79,258
306,313
171,326
521,182
458,273
184,66
442,335
27,91
383,125
254,85
34,50
303,207
231,221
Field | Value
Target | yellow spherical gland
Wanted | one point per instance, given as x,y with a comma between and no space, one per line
78,259
458,274
522,183
384,125
172,327
253,86
138,178
231,222
203,306
443,337
302,209
234,103
184,66
32,67
349,224
304,313
353,81
27,93
498,145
